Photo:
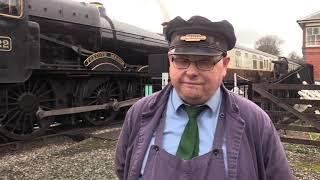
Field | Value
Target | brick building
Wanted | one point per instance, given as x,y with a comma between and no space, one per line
311,41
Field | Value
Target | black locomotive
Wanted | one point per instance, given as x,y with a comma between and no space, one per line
59,54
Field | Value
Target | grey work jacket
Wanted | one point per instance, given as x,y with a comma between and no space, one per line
254,150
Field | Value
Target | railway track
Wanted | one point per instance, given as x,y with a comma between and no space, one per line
107,132
300,141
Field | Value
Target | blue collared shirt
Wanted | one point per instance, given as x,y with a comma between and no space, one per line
176,119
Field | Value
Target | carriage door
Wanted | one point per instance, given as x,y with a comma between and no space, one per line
15,40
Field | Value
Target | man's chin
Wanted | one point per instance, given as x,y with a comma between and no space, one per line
192,99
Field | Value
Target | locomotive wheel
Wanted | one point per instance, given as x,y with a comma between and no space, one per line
17,118
105,91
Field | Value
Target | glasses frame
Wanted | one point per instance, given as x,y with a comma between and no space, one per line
213,63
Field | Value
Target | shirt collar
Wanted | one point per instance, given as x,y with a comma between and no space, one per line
213,103
176,101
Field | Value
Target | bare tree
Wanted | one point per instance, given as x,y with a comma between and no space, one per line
294,56
269,44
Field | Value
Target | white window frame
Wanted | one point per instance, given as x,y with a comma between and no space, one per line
312,34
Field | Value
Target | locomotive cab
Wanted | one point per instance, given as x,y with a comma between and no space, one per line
11,8
19,42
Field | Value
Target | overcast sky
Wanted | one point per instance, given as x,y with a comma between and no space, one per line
252,19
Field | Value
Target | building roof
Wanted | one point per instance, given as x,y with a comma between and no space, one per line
314,17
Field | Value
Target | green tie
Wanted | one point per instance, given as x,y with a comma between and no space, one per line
189,143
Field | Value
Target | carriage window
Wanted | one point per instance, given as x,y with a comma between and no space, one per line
254,64
238,59
254,57
238,53
261,65
313,36
269,65
11,8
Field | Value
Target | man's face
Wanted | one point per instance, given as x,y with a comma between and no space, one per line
194,85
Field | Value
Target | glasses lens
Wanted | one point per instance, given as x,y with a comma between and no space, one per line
208,62
181,63
204,62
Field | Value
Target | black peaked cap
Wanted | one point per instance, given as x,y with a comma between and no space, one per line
200,24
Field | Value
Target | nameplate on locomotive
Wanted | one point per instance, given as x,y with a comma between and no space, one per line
104,61
5,43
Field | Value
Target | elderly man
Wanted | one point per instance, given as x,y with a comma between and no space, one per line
195,128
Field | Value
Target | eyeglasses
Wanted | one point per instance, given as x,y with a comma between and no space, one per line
205,63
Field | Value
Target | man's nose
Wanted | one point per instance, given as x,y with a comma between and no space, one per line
193,69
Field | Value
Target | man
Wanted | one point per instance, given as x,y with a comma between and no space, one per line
194,128
280,67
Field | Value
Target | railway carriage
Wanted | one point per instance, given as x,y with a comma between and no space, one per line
253,65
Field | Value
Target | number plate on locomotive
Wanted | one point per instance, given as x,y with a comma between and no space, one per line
5,43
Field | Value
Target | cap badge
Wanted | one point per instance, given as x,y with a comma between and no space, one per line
193,37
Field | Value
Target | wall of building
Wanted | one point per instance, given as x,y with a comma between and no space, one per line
312,56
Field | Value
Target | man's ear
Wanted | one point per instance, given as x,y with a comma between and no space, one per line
226,61
169,62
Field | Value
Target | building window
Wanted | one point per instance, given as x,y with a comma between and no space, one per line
313,36
261,65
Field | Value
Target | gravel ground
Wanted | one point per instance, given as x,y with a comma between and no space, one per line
62,158
304,161
88,159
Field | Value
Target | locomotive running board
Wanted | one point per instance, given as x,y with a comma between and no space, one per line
114,105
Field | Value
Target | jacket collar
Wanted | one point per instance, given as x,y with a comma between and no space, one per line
159,100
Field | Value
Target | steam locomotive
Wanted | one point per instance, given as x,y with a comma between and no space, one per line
58,54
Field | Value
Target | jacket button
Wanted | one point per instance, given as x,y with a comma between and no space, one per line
156,148
221,115
216,152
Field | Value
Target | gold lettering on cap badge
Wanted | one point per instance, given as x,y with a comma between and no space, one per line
193,37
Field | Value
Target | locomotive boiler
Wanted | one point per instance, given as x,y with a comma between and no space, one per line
59,54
